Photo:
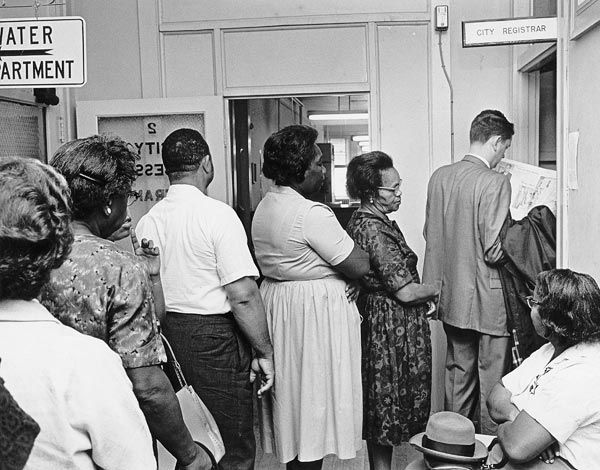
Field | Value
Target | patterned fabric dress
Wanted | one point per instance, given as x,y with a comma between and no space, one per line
105,292
396,341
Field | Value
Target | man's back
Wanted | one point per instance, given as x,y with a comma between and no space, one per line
202,246
467,204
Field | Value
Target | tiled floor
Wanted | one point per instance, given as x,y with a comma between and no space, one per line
402,456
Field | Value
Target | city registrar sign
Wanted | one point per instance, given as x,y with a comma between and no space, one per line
44,52
509,31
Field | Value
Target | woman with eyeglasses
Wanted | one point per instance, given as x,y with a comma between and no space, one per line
114,295
548,408
395,308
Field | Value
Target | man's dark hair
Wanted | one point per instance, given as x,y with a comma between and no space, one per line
97,169
182,152
488,123
288,153
35,229
569,305
364,174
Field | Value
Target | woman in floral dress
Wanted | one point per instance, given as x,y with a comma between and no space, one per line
394,305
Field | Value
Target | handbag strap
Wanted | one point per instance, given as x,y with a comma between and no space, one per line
215,465
492,466
172,359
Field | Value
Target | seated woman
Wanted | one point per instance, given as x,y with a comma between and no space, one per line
72,385
549,407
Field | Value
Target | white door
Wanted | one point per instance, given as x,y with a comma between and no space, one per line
145,123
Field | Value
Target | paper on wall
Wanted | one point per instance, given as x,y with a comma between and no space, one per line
572,182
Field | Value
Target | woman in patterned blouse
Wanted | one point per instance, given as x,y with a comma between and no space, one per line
395,306
109,293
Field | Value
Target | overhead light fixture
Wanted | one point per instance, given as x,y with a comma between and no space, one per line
338,116
364,143
365,148
360,138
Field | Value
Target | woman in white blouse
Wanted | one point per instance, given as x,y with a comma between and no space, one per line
549,407
306,257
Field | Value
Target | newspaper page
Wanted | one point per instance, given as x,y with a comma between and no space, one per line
531,186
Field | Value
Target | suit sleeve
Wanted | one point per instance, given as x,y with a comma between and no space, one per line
493,209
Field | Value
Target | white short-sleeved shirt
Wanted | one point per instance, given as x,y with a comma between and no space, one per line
563,396
297,239
76,389
203,246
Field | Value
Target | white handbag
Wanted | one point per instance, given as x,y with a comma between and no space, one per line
197,417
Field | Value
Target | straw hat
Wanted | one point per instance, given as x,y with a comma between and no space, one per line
450,436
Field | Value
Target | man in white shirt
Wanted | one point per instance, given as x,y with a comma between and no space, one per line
215,315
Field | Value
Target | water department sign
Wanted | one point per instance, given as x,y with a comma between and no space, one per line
48,52
509,31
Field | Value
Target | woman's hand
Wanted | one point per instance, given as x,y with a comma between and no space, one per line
352,290
148,252
550,453
431,308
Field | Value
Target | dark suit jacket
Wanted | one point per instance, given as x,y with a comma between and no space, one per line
467,203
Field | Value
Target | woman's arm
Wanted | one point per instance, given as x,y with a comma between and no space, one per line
500,407
524,438
414,293
356,265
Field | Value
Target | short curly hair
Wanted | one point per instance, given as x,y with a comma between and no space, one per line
569,305
363,175
288,153
488,123
35,230
97,169
183,151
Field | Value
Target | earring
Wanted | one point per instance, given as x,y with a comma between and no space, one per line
108,211
371,200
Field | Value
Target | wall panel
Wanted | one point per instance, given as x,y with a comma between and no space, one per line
209,10
188,64
584,203
291,57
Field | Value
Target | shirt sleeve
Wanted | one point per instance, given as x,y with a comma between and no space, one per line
518,379
563,402
233,257
146,228
493,209
324,234
388,262
132,322
104,407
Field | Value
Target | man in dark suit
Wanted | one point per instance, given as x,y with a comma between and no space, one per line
467,204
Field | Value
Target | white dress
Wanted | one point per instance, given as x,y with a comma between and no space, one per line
315,407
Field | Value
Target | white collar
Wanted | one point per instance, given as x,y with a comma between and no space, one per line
480,158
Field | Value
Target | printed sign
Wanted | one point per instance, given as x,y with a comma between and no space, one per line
48,52
509,31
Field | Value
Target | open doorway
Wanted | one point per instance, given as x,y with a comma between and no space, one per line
343,125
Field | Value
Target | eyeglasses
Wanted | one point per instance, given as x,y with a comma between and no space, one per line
132,196
397,191
531,302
